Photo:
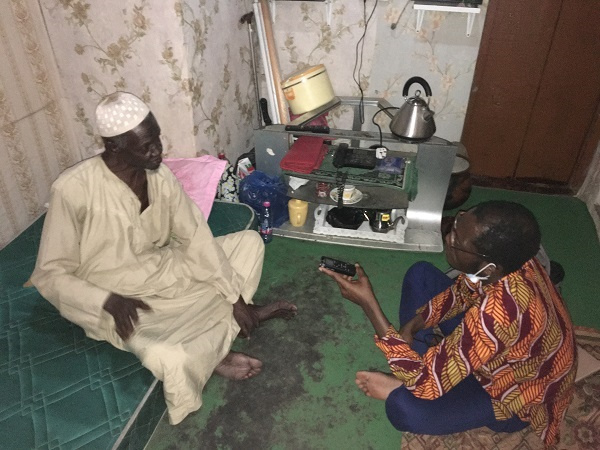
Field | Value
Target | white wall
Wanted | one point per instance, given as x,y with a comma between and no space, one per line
590,190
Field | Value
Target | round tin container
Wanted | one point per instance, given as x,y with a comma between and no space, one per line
308,89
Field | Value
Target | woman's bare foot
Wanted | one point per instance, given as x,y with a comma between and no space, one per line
378,385
280,309
238,366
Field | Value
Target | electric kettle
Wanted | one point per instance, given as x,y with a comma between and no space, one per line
414,119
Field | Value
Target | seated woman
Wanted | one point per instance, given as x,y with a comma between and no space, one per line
506,358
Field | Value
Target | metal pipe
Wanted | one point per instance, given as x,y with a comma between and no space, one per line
262,40
247,18
255,74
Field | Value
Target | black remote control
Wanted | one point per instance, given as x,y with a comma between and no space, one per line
338,266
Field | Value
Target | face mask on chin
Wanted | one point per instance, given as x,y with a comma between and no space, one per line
474,278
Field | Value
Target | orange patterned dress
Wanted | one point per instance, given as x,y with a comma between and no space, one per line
516,338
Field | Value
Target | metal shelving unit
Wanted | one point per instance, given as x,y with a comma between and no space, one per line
471,12
432,163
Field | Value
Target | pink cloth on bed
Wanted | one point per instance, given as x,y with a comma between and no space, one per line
199,178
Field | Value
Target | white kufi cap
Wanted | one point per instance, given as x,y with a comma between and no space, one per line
119,113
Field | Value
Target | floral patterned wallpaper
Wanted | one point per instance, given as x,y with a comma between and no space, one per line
190,60
186,59
392,52
36,144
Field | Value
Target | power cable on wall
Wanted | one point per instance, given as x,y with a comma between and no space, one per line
395,24
359,57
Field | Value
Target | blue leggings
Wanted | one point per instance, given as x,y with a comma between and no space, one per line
464,407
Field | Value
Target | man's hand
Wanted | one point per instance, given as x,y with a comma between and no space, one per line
124,311
245,316
358,291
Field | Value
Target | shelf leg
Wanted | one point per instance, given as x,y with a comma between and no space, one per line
420,15
328,10
470,21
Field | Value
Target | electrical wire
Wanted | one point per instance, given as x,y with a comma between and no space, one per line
361,43
377,125
395,24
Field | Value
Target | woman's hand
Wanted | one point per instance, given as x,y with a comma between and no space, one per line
357,290
360,292
411,327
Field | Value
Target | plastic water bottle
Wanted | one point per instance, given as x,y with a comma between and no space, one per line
266,223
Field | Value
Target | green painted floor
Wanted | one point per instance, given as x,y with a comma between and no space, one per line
305,398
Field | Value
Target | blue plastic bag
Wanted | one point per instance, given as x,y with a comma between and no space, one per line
259,187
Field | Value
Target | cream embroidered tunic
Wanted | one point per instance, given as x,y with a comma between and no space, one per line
95,241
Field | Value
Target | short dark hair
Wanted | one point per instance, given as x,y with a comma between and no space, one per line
119,141
511,234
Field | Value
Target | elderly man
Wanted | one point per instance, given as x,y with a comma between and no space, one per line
507,355
126,255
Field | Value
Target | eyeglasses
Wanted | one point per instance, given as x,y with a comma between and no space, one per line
453,235
481,255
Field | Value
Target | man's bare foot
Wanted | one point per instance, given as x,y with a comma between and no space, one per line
280,309
238,366
378,385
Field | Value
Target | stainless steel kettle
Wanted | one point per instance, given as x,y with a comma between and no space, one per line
414,120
